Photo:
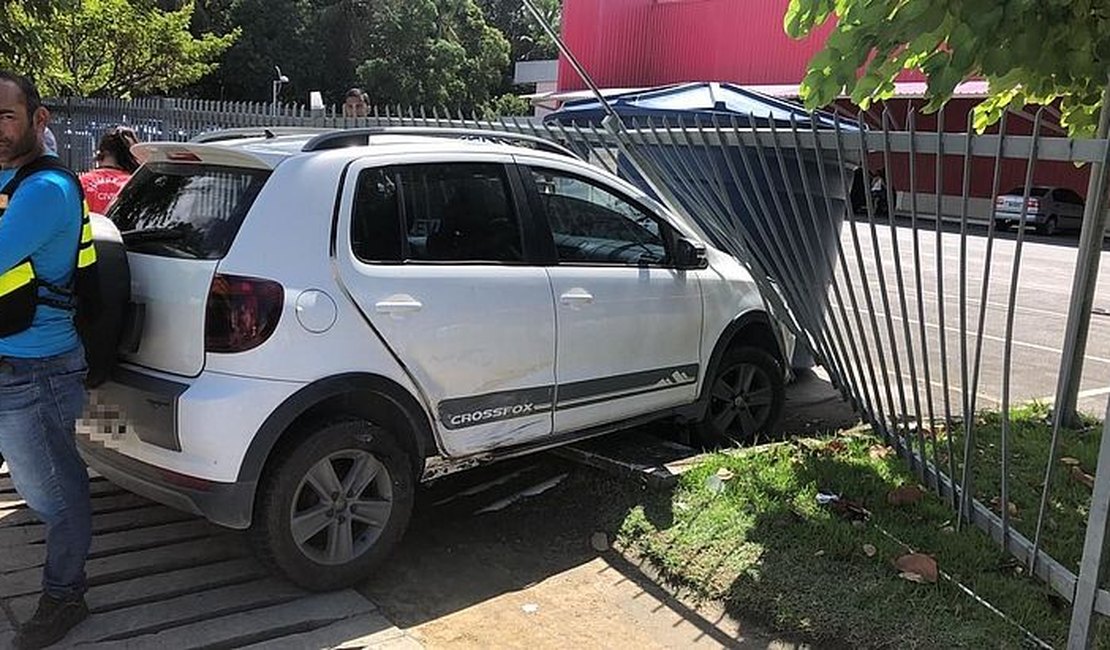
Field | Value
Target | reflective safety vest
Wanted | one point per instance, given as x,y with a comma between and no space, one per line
20,286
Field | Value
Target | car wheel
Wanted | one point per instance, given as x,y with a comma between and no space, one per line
334,506
1003,225
1048,228
746,397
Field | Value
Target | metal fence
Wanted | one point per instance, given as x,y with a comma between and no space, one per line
922,323
78,123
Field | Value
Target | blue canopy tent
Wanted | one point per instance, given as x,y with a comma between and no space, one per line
697,104
788,230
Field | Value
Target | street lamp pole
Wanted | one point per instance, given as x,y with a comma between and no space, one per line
278,81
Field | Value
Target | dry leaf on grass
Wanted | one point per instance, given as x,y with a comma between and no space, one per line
869,550
819,553
725,474
836,447
1069,461
879,452
1078,474
996,505
917,567
904,495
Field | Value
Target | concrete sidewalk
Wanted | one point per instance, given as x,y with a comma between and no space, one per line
162,578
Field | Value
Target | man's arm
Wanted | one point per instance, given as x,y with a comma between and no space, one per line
34,216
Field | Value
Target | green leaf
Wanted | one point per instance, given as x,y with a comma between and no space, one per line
1030,50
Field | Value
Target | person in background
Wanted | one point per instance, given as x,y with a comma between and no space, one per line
355,103
114,165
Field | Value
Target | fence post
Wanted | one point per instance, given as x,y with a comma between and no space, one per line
1083,284
1091,566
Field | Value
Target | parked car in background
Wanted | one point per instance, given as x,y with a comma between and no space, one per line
1049,209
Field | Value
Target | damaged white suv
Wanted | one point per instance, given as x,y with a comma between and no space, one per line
330,318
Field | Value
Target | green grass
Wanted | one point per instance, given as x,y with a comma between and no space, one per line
767,550
1029,440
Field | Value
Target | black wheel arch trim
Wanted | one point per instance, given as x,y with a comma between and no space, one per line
317,392
754,317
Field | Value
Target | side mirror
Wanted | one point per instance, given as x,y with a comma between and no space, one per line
690,254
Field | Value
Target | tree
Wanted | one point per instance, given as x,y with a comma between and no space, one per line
22,46
432,53
120,49
1029,52
271,33
529,42
507,105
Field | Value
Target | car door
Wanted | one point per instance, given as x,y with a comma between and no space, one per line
628,325
433,255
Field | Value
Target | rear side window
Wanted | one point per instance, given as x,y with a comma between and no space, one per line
444,212
185,211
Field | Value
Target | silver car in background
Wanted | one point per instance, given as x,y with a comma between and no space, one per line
1049,209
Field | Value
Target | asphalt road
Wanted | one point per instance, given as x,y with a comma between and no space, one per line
1035,335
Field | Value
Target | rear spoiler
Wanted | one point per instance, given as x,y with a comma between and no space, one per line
198,154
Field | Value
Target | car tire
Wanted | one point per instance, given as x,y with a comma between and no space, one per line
1004,225
1048,228
745,398
314,524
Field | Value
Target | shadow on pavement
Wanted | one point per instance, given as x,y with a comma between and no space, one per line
1066,239
491,533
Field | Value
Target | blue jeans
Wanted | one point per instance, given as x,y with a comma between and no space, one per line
40,401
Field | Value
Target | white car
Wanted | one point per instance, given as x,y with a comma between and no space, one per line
330,318
1048,209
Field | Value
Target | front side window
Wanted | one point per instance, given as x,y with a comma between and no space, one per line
593,225
443,212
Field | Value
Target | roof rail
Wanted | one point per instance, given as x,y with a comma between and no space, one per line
362,136
220,135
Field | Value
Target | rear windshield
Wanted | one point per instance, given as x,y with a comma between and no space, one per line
1033,191
186,211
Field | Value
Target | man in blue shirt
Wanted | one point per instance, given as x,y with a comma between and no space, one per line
42,368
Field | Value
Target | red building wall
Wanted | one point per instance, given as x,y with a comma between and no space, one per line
639,43
624,43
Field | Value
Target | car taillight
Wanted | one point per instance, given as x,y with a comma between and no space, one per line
241,313
1034,203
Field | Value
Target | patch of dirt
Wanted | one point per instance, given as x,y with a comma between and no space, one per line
529,577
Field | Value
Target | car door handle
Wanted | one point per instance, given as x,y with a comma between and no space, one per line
401,303
576,297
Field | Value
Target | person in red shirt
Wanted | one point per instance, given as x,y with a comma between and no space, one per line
114,165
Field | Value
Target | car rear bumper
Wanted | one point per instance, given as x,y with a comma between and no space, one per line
1031,217
226,504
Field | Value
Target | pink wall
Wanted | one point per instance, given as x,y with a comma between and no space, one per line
626,43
